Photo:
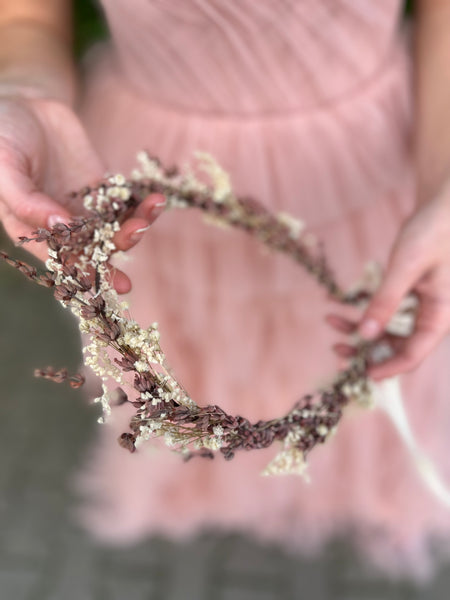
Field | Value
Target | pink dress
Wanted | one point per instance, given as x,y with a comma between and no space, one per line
307,103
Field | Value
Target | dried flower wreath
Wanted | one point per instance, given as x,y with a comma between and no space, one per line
117,347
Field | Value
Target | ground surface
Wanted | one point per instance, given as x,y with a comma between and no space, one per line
44,430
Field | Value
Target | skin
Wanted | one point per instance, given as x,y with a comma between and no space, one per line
420,257
44,151
40,135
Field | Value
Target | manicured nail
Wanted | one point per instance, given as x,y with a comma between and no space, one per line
370,329
137,235
53,219
142,229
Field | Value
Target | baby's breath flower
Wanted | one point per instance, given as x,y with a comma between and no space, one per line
294,226
120,351
288,462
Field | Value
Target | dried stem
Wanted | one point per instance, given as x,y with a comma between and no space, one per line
120,350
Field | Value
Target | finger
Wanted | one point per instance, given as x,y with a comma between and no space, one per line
341,324
344,350
117,278
73,157
431,326
26,203
133,229
415,349
150,208
131,232
402,274
120,282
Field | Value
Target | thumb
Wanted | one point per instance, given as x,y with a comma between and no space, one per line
26,203
400,277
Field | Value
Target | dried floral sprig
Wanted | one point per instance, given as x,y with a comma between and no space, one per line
119,350
75,381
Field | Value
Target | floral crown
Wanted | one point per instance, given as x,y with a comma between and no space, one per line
123,354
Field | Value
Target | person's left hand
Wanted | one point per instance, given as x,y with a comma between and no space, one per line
419,261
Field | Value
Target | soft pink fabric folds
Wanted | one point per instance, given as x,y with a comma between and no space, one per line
308,105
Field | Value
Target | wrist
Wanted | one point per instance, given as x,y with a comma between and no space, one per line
35,62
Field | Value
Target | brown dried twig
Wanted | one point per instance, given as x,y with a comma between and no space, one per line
120,350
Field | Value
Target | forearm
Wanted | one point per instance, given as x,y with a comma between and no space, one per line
36,49
432,89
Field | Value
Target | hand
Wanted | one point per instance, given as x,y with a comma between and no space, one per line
45,154
419,261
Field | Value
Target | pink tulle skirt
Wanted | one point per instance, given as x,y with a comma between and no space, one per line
244,328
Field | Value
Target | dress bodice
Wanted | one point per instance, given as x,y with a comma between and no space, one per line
247,56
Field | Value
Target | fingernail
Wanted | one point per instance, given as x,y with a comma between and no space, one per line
142,229
53,219
159,204
370,329
137,235
159,197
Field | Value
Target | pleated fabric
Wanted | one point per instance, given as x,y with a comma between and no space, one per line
308,105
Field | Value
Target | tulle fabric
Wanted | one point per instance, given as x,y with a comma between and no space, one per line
244,328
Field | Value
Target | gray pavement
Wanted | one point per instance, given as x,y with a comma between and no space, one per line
44,555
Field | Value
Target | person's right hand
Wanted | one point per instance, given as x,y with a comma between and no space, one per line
45,154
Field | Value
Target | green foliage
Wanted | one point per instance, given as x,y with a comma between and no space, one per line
89,24
409,8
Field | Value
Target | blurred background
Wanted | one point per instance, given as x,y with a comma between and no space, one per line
45,431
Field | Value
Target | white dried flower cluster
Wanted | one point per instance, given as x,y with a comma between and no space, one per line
54,267
360,392
112,333
144,342
218,183
118,350
117,188
148,168
103,400
369,281
402,322
219,178
172,435
97,356
213,442
295,226
290,461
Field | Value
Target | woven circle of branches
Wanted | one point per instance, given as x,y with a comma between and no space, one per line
124,354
